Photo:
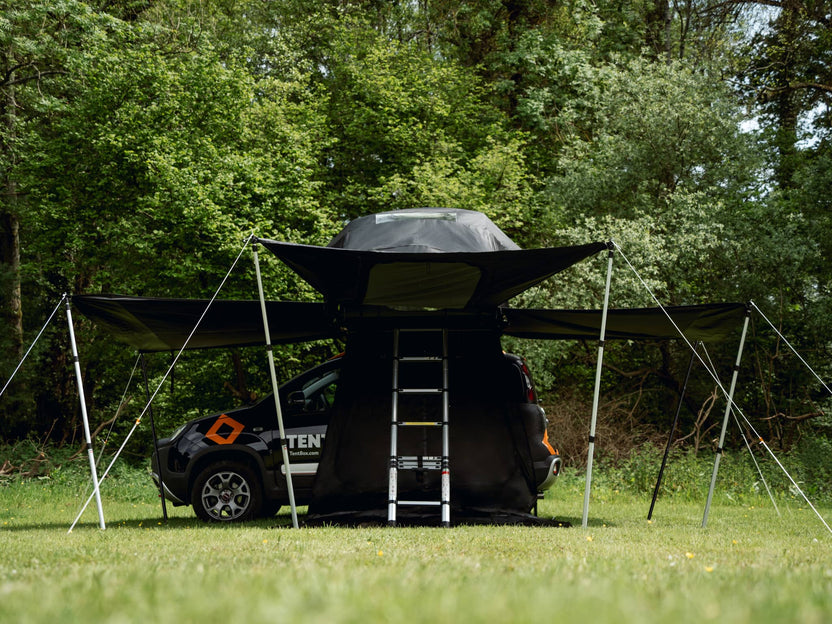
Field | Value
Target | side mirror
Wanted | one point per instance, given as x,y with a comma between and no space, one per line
296,400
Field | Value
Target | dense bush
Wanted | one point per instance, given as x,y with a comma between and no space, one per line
687,475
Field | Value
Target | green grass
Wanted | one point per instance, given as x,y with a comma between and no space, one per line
749,565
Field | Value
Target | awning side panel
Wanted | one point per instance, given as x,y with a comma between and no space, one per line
709,322
155,324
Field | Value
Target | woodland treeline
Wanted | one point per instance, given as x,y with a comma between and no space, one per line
141,141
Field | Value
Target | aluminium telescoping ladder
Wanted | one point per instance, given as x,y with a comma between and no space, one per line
419,462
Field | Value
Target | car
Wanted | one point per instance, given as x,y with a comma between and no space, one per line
229,466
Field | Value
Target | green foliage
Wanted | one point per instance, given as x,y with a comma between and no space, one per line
29,459
180,156
495,182
395,111
814,454
687,475
647,132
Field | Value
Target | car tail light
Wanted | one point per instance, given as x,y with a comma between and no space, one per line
527,377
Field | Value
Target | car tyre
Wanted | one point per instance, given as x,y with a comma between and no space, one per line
227,491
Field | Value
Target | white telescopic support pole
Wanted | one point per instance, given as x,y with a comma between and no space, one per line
283,446
728,408
597,394
87,437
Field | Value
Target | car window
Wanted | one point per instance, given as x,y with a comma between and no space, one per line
320,392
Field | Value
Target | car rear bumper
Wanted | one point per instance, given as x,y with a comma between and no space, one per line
168,494
175,484
550,467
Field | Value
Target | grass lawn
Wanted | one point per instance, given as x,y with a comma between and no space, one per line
749,565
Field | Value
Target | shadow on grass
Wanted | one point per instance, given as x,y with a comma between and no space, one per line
143,523
157,523
575,522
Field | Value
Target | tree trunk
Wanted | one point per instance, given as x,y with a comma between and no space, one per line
786,106
11,311
658,22
10,258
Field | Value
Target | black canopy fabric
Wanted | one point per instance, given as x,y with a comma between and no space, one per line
417,280
427,258
413,262
710,322
155,324
494,440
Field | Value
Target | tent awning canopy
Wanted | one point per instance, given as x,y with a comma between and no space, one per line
439,265
709,322
156,324
425,280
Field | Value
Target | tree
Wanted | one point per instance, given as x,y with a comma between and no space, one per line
149,177
37,42
392,108
654,160
180,155
645,136
787,80
789,74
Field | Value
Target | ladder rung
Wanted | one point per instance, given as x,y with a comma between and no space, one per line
425,503
419,390
415,462
419,423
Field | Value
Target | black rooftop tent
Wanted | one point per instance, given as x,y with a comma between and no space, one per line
427,258
440,267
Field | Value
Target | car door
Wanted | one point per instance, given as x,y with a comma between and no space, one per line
306,408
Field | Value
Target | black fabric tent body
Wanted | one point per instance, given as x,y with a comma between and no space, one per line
489,436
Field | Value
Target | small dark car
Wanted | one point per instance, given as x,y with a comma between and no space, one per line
229,466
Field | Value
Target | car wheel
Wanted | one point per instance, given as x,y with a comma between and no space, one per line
227,492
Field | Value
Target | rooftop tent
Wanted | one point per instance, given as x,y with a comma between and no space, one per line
156,324
424,230
430,258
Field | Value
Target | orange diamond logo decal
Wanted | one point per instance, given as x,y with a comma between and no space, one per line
214,432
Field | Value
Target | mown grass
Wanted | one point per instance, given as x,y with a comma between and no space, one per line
748,565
